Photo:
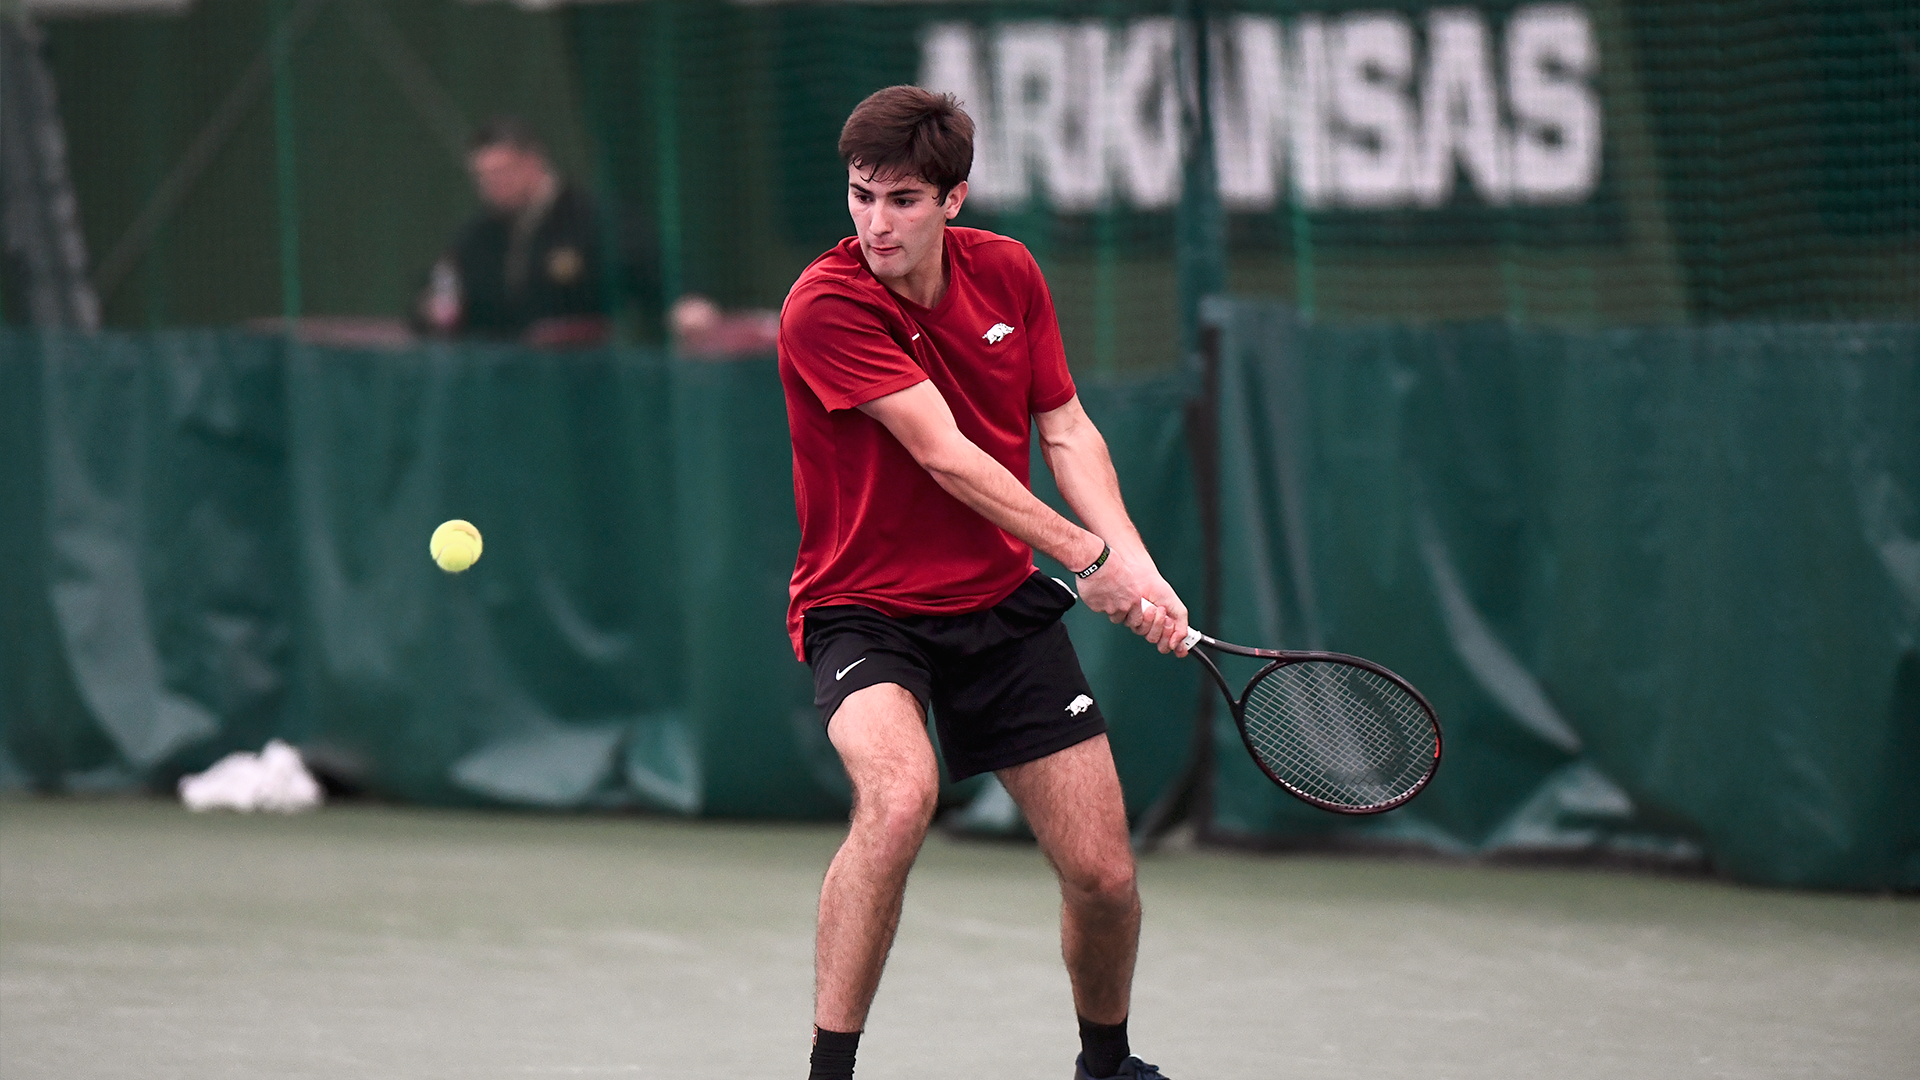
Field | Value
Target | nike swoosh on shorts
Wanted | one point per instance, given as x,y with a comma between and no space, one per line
842,673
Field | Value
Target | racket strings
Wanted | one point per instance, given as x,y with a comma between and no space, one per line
1339,733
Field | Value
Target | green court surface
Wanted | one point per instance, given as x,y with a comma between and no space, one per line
137,940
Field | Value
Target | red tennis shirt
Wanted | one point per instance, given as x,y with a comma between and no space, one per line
875,529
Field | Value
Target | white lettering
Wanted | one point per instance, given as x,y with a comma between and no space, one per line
1146,114
1249,100
1372,70
1459,112
1308,122
1349,110
1049,87
1556,137
949,65
1079,177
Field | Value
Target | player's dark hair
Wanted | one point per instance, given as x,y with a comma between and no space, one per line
509,131
904,132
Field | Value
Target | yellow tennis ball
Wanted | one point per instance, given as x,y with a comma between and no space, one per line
455,546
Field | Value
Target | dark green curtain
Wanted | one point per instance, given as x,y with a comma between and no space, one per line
1662,585
214,538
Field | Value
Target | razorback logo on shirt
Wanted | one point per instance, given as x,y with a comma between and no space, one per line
996,332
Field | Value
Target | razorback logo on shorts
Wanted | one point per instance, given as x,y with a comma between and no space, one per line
996,332
1079,705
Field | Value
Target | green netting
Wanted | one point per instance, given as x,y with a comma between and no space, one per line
1661,585
1571,164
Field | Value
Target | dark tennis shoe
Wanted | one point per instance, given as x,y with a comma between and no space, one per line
1131,1069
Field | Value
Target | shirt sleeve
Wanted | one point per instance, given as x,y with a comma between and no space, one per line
842,349
1052,384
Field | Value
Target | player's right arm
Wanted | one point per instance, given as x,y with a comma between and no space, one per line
921,420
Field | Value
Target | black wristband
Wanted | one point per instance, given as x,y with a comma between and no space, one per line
1106,549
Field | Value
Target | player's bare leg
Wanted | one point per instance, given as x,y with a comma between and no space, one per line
1072,801
881,736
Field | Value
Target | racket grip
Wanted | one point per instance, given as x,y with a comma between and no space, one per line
1193,635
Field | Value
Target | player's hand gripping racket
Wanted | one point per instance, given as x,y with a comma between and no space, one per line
1336,731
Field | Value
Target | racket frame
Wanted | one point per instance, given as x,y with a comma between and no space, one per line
1279,658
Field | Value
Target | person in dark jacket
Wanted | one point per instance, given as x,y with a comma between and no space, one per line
533,265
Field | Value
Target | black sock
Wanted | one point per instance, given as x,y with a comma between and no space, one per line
1102,1046
833,1054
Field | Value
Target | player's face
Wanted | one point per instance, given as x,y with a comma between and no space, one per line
507,178
900,223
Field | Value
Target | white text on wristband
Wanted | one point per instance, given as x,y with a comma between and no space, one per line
1105,550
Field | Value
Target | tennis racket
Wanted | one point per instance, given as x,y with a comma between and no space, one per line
1338,732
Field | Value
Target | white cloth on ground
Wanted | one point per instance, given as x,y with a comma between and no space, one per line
274,779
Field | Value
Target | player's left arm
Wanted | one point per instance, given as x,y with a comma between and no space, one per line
1077,454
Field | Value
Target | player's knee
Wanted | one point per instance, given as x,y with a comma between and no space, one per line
911,811
1107,885
898,813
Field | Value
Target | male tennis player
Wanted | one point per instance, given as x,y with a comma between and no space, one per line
915,357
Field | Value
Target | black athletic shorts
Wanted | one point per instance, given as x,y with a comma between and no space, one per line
1004,684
